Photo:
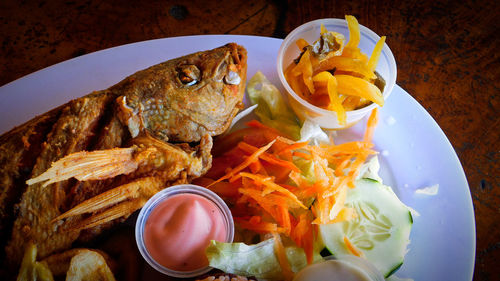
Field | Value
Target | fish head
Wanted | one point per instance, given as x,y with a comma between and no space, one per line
183,99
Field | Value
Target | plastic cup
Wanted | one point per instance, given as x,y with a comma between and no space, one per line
310,32
338,267
163,195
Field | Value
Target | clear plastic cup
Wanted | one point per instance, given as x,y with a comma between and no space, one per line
343,267
163,195
310,32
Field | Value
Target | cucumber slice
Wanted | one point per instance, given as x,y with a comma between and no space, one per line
381,229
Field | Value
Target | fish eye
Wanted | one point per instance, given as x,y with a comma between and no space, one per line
189,74
232,78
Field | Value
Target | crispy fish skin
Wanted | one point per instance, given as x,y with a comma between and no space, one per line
160,102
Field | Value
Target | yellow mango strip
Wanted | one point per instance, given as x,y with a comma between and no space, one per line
354,34
372,62
351,48
323,29
325,78
305,68
354,53
352,102
335,102
354,86
301,43
346,64
295,83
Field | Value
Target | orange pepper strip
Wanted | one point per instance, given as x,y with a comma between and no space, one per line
245,163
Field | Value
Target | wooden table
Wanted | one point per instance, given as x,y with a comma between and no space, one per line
447,54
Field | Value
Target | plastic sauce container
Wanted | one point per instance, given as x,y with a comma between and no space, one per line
176,225
310,31
342,268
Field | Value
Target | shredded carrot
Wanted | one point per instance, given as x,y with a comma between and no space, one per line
293,146
256,124
370,126
271,186
270,158
245,163
261,226
355,251
303,236
280,252
302,155
255,167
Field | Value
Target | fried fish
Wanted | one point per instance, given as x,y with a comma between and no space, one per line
95,160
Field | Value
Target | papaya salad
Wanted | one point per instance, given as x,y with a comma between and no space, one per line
295,194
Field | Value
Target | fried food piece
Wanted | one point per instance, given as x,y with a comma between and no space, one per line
31,270
89,266
59,263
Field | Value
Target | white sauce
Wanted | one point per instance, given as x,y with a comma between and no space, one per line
332,270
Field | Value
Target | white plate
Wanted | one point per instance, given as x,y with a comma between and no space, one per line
416,153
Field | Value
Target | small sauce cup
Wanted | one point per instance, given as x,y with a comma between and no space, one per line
181,228
310,31
341,268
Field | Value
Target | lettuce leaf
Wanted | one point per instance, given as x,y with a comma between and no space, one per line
256,260
272,110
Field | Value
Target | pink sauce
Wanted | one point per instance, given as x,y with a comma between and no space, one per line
180,228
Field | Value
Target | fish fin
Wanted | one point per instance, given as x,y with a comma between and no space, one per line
93,165
141,188
120,210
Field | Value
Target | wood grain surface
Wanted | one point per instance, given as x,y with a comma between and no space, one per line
447,54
